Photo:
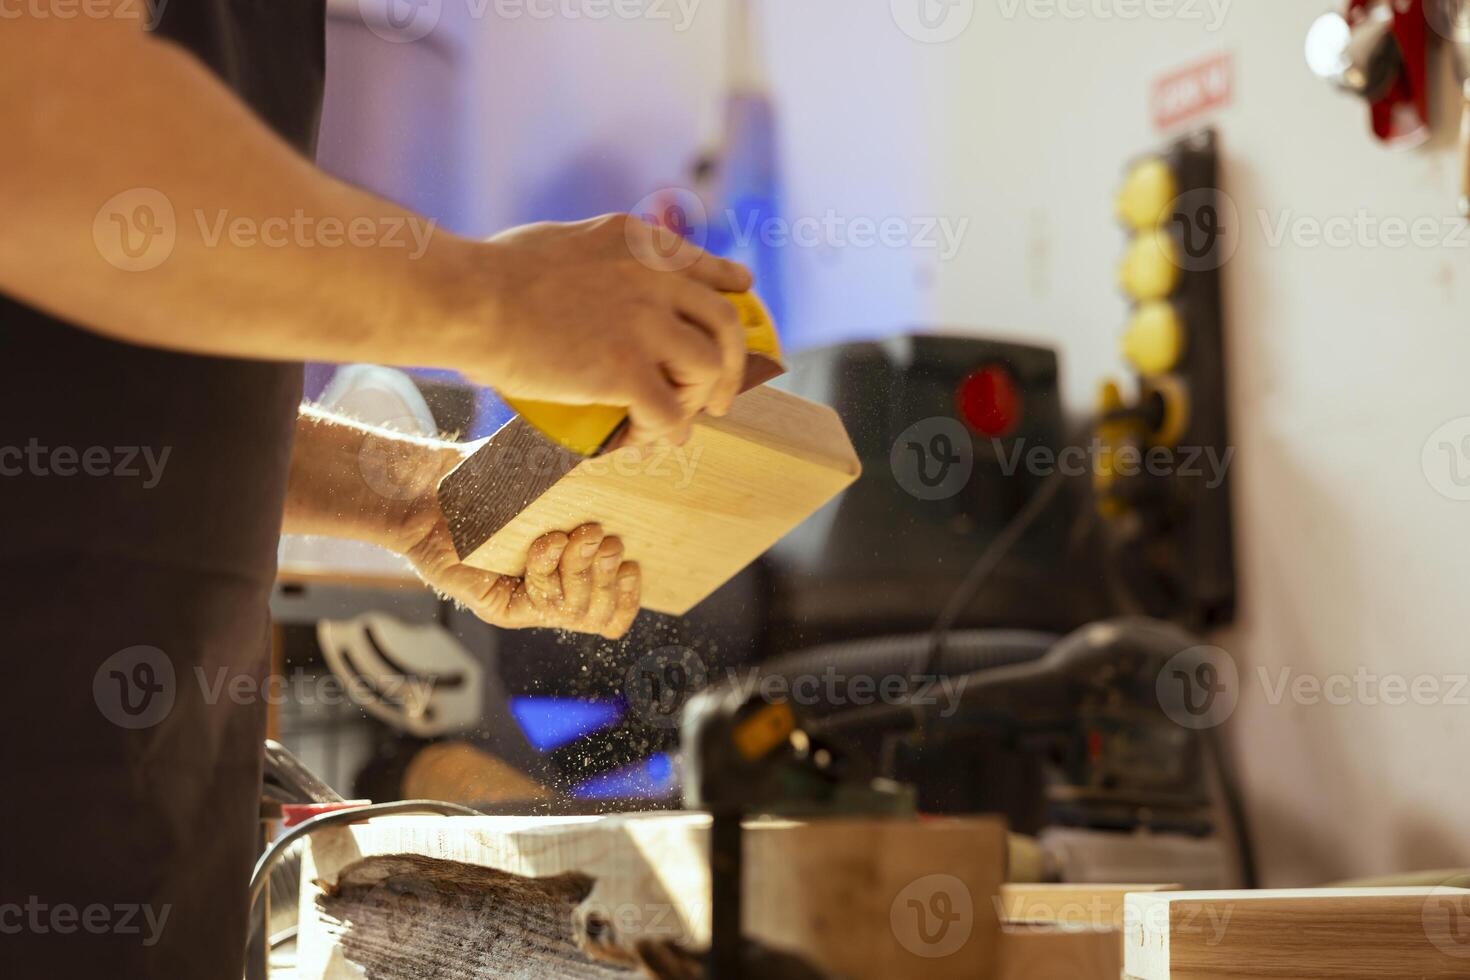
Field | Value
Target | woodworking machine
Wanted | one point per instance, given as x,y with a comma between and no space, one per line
747,755
1073,739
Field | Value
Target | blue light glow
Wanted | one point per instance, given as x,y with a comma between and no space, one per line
552,722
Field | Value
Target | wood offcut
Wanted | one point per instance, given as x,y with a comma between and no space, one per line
1301,934
692,516
838,897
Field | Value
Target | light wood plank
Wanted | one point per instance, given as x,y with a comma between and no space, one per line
692,516
1097,905
1051,951
1352,933
860,898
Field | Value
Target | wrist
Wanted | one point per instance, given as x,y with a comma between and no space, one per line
458,300
411,471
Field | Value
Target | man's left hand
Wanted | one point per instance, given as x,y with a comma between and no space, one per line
574,581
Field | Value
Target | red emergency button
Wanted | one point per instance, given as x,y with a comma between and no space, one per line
989,401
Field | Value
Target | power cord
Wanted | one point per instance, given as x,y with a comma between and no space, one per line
341,818
985,565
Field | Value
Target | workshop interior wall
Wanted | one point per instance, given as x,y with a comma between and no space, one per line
1344,361
1343,364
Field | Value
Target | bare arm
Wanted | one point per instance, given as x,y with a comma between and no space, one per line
94,108
367,484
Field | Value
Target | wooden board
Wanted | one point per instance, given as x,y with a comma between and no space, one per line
1066,929
1098,906
1060,952
1352,933
859,898
692,516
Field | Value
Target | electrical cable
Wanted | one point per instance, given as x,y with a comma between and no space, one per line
1234,803
261,875
985,565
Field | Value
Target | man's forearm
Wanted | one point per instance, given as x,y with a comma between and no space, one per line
350,480
260,265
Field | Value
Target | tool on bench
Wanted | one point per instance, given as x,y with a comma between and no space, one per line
286,782
745,755
590,429
1099,741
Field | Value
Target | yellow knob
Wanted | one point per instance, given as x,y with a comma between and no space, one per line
1109,435
1150,268
1147,191
1172,396
1155,338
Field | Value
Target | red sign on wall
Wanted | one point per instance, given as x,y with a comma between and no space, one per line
1193,91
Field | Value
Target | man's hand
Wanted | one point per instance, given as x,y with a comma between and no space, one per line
612,311
609,311
576,581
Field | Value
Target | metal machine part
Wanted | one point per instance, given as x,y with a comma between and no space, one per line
1077,854
284,780
1098,731
419,679
1169,529
943,425
287,780
745,755
1361,57
1452,19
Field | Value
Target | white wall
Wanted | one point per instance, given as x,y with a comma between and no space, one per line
1342,364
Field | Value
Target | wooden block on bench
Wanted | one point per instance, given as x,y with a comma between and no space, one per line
1055,951
869,899
1099,906
1302,934
692,516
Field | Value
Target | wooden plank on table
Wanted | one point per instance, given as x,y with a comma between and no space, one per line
1065,929
858,898
692,516
1303,934
1099,905
1052,951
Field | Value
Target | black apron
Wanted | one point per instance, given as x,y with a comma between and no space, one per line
142,495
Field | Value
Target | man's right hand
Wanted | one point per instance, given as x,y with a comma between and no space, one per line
610,311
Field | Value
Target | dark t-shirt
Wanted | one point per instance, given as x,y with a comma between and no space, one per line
142,494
